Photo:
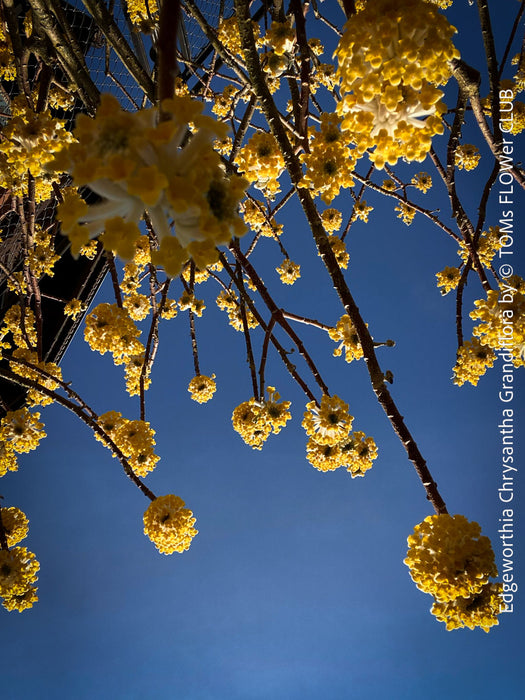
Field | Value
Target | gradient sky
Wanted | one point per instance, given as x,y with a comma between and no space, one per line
295,587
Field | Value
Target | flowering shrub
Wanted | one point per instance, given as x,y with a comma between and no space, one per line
194,184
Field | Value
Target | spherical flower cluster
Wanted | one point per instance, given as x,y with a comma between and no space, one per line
501,318
202,388
332,220
134,438
488,244
30,140
422,182
256,218
466,156
255,420
450,559
472,362
262,162
74,308
18,571
188,302
137,305
25,363
137,163
339,249
21,431
448,279
169,525
41,256
328,423
329,162
228,34
224,101
324,74
15,525
356,452
280,37
288,271
109,328
136,375
19,321
406,213
362,210
391,58
345,334
227,301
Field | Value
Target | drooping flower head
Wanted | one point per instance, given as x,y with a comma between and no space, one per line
136,163
169,525
391,57
449,558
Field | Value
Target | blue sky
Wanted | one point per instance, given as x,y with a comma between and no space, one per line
295,586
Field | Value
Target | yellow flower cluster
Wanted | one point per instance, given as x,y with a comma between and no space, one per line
228,34
29,141
255,420
28,367
41,256
450,559
448,279
466,156
20,431
339,248
488,244
7,59
356,452
332,220
406,213
288,271
280,37
20,323
422,182
362,210
202,388
15,525
134,438
18,573
391,58
18,567
227,301
502,319
144,14
345,334
329,423
324,74
258,221
188,302
74,308
137,163
329,162
109,328
262,162
472,362
169,525
224,101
